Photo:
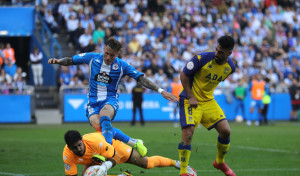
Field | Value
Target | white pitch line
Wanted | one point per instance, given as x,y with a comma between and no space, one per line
256,148
6,173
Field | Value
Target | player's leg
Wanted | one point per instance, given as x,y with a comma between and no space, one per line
136,143
106,115
223,144
150,162
184,148
188,122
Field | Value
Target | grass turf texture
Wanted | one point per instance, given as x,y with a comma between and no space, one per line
273,150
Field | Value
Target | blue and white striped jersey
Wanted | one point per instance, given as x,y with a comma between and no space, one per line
104,79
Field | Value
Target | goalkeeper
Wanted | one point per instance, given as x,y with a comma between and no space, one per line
82,149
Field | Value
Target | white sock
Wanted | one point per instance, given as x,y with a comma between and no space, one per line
132,141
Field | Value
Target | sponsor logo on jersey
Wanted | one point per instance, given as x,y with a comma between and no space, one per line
115,66
214,77
103,78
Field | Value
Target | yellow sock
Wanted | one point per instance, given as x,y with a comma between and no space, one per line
158,161
222,150
184,157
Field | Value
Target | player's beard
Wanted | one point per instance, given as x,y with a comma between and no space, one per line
220,60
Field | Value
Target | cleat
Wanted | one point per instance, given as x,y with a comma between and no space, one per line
139,146
126,173
184,175
224,168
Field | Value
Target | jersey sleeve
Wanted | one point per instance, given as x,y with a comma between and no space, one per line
130,70
84,58
69,164
192,66
99,144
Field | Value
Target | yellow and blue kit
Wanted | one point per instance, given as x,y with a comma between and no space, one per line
205,75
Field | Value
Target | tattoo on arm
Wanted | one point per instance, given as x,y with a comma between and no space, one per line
66,61
147,83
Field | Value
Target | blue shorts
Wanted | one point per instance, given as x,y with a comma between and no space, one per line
94,108
257,103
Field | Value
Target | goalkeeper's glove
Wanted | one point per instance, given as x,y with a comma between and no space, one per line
104,168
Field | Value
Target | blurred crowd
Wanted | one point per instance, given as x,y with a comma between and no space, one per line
159,36
12,77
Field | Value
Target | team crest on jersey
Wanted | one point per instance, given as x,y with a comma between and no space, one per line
226,71
209,66
115,66
103,78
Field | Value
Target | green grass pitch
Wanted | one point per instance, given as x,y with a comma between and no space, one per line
273,150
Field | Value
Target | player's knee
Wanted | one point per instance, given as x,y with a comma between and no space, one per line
225,133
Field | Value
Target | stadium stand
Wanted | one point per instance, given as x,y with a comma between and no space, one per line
163,34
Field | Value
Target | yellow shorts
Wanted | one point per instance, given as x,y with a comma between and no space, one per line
207,113
123,151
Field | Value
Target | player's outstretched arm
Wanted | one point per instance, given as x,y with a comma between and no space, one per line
63,61
150,85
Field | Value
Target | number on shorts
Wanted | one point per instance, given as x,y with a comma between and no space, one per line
190,110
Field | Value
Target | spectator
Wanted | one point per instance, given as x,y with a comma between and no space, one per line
84,40
37,67
98,33
10,68
65,76
72,26
49,18
9,54
4,77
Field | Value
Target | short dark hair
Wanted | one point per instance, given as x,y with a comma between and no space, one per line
226,42
113,44
72,136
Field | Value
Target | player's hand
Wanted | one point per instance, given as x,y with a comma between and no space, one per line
53,61
193,102
102,171
169,96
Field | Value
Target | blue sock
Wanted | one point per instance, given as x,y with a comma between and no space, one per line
118,134
107,129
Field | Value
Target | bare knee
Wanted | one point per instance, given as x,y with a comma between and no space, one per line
225,134
187,135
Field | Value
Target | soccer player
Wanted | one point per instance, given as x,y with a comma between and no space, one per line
199,78
106,71
85,149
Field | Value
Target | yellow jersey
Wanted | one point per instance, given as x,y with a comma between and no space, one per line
205,75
